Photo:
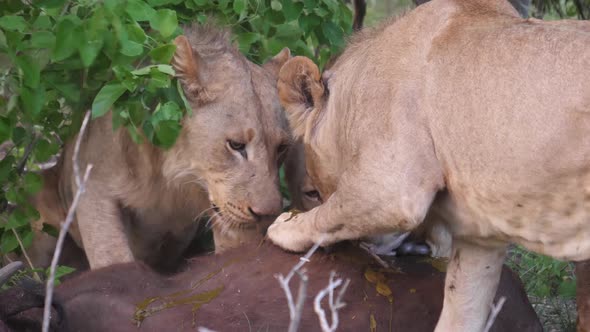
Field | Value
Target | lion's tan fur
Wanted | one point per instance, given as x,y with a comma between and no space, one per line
142,202
461,111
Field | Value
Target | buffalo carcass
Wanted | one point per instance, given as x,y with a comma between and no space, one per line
238,291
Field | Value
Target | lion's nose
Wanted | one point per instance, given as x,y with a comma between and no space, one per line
264,211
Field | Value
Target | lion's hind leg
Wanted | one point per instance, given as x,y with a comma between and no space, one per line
472,278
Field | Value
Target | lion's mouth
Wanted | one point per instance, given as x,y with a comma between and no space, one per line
231,220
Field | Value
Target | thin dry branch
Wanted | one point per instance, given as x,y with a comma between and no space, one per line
204,329
295,309
27,258
334,306
494,313
9,270
81,184
368,250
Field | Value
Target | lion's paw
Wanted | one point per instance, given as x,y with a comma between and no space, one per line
289,233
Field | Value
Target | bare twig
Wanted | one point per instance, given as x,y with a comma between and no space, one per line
204,329
9,270
295,310
494,313
294,324
81,184
333,305
368,250
27,258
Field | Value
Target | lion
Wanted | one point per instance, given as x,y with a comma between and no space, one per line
305,197
419,117
143,202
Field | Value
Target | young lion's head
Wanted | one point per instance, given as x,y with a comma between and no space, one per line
304,93
235,139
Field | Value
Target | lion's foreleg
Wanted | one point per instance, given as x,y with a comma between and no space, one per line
103,234
472,278
357,209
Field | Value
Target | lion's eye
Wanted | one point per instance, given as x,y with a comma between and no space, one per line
312,194
237,146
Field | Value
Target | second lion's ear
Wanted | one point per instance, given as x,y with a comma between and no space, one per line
186,64
275,64
301,91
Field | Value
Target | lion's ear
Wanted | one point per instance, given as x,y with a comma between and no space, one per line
186,65
274,65
301,91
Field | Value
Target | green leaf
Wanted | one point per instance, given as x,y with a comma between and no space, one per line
67,40
6,167
165,22
60,271
288,31
89,51
276,5
70,91
222,5
136,33
166,69
136,111
321,12
16,196
131,48
43,22
128,80
16,219
32,182
27,237
246,39
8,242
163,54
139,10
33,100
31,70
18,135
50,3
13,23
50,229
135,136
156,3
42,39
186,104
332,5
167,132
168,111
5,129
142,71
45,150
291,9
106,97
239,6
567,288
158,80
334,33
3,44
309,22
